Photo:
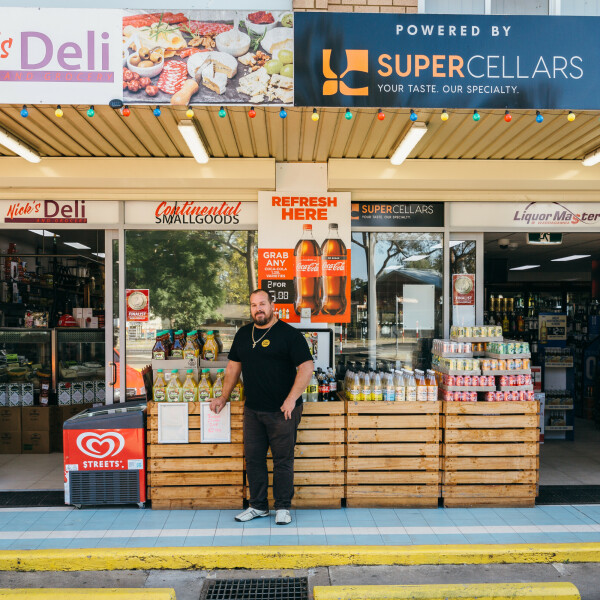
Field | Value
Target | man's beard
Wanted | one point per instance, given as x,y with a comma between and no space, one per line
262,319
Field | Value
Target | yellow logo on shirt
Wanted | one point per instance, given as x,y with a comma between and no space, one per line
265,343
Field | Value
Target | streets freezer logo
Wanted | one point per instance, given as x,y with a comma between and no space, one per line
99,445
559,215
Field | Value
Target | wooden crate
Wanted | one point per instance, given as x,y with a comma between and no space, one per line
393,454
196,475
319,461
490,453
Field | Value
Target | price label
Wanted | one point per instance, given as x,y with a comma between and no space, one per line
281,290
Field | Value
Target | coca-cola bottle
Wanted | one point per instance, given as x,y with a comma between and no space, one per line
334,273
307,284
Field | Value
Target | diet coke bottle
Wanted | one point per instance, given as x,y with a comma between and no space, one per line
334,273
307,284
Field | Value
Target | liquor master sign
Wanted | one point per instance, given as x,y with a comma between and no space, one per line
452,61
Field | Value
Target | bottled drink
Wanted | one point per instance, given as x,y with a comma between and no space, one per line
313,389
334,273
399,387
210,350
218,340
389,391
354,394
190,389
237,393
543,332
307,283
332,384
432,387
218,384
411,387
174,391
376,389
323,387
421,386
178,344
205,390
159,352
190,349
366,388
159,391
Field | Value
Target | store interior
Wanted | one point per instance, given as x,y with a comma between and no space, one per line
525,284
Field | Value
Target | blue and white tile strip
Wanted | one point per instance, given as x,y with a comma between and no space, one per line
42,528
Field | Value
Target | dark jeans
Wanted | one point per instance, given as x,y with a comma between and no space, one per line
261,430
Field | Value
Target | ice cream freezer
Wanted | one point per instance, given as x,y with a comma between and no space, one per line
105,455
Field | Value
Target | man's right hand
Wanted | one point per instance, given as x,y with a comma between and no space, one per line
217,404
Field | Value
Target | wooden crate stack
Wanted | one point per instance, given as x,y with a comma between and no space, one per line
319,462
196,475
393,454
490,453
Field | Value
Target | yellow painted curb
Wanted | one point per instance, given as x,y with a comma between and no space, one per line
469,591
91,593
291,557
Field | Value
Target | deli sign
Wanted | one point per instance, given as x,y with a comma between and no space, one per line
59,212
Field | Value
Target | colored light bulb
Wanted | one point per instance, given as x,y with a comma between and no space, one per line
413,115
282,113
91,112
476,116
315,115
252,112
126,112
156,111
24,112
222,113
380,115
507,116
444,116
189,113
539,117
348,114
571,116
58,112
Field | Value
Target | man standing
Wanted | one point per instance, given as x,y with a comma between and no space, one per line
277,366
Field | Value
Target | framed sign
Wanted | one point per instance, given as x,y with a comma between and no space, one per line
138,305
173,423
215,428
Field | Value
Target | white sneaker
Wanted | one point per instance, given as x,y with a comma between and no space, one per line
283,517
251,513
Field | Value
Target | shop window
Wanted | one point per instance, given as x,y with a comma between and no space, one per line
396,295
464,7
196,280
520,7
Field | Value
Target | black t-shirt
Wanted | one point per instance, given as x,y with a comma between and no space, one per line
269,369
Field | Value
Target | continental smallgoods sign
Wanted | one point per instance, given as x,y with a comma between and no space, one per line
452,61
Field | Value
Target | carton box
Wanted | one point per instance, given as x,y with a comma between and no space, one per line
78,313
14,394
10,418
10,442
3,394
37,418
87,313
27,394
35,442
77,392
100,390
89,391
64,393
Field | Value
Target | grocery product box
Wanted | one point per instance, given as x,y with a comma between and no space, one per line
77,392
87,313
27,394
35,442
64,393
10,442
10,418
14,394
37,418
100,390
3,394
92,323
89,391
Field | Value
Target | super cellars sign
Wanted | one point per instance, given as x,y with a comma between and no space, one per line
452,61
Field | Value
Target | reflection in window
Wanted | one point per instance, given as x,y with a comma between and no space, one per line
396,299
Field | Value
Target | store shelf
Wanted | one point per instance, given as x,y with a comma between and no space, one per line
516,388
559,407
507,356
479,354
467,388
455,372
477,340
511,372
454,354
558,428
558,366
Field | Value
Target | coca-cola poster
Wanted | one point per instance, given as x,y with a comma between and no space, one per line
304,254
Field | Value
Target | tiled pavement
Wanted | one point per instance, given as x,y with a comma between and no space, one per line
40,528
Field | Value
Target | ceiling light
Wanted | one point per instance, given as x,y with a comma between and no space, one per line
99,254
77,246
591,159
572,257
44,232
14,144
524,268
415,258
410,140
193,140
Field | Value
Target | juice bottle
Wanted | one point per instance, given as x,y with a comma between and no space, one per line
411,387
190,389
210,350
159,391
218,340
354,391
421,386
159,352
399,386
237,393
178,344
432,387
205,389
190,350
218,384
389,390
365,393
376,389
174,390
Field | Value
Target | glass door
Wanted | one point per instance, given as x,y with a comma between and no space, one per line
115,384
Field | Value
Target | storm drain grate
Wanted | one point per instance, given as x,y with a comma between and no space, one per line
279,588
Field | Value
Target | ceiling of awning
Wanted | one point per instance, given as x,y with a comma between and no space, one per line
297,138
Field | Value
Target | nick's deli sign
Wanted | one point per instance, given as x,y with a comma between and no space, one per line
452,61
59,212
